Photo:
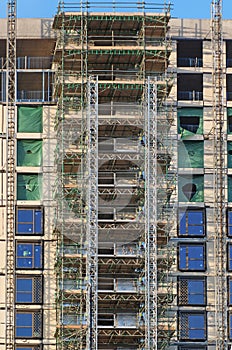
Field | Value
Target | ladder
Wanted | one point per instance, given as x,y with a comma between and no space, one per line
219,177
10,174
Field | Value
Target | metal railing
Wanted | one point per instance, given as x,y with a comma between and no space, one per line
190,62
34,96
190,95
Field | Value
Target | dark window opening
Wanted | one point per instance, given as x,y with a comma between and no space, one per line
189,53
229,86
189,190
230,124
190,87
105,320
229,53
190,123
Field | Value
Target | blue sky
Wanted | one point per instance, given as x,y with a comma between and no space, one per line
181,8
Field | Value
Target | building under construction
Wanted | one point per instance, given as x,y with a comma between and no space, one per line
116,180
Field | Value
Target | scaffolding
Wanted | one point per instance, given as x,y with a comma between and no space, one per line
10,174
114,179
219,177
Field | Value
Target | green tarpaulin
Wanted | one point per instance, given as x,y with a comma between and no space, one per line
191,188
30,119
190,121
29,187
191,154
29,153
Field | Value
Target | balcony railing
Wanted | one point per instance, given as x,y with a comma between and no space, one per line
189,62
27,62
33,96
190,95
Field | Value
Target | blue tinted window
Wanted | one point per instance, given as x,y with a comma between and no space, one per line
29,289
230,323
192,326
29,255
191,257
28,324
230,291
191,291
191,223
29,221
230,223
24,325
230,257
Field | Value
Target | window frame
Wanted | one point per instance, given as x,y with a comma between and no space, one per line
190,278
229,258
29,347
230,325
191,313
187,245
33,291
33,336
228,225
33,233
33,243
185,212
192,347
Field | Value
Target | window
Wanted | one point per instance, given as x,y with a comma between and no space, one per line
192,326
29,255
192,257
29,324
192,291
29,289
229,223
191,223
192,347
230,326
230,291
230,257
31,347
29,221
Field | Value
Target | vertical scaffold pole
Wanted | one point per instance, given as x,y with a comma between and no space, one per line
219,176
151,322
10,173
92,204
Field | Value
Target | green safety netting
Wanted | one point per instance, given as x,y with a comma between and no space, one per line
191,188
229,120
29,153
229,154
29,187
190,121
30,119
191,154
